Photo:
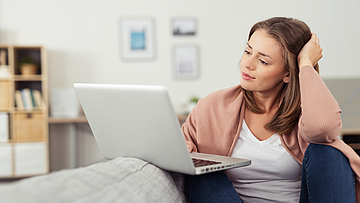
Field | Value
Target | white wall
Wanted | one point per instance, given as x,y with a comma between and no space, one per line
82,38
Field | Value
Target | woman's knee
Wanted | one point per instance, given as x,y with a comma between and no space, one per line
326,160
212,187
327,173
324,153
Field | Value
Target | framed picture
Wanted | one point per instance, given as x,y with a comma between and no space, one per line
137,39
184,26
186,61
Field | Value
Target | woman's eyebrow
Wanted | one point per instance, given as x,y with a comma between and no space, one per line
260,53
248,45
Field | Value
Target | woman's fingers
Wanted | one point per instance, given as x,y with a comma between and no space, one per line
311,52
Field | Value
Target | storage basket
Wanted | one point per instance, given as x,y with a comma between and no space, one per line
29,127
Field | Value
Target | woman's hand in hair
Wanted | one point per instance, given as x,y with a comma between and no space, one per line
311,53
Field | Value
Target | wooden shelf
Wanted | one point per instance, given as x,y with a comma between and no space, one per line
354,135
5,79
354,131
27,137
28,77
58,120
29,111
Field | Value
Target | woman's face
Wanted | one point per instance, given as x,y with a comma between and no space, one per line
262,65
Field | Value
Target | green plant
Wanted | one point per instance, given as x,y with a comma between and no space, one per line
26,59
194,99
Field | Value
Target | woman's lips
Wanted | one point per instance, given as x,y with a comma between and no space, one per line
246,76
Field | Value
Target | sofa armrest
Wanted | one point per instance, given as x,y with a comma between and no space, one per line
118,180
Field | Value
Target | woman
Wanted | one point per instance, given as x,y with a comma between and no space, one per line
280,106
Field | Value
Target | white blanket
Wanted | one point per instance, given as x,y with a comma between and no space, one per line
119,180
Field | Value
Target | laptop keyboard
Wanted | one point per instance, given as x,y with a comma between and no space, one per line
202,162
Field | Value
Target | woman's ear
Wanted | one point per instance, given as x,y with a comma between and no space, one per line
286,79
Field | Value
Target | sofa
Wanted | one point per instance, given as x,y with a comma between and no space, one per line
118,180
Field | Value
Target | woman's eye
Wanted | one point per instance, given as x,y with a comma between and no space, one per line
246,51
263,62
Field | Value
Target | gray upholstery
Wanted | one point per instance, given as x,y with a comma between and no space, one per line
119,180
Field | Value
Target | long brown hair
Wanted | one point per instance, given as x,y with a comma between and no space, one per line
292,34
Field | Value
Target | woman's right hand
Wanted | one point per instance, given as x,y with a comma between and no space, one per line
311,53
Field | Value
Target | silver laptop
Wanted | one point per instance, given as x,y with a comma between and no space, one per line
139,121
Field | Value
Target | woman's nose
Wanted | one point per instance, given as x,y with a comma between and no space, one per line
248,62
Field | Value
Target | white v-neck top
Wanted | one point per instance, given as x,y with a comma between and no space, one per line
273,176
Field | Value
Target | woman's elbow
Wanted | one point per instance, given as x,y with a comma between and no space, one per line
325,132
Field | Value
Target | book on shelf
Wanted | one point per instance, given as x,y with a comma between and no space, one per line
18,100
37,98
4,127
25,93
28,99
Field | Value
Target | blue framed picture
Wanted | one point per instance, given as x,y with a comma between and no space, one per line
137,39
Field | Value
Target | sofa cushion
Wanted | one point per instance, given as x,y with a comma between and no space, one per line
118,180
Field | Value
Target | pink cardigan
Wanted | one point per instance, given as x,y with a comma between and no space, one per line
215,123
